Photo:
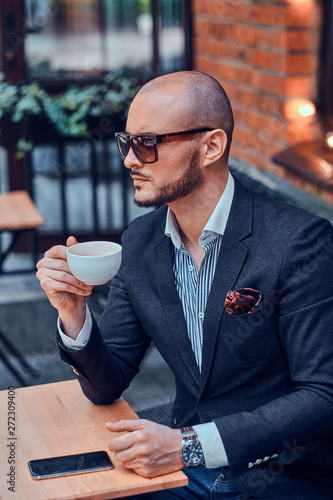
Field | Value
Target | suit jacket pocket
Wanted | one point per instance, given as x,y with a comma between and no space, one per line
251,338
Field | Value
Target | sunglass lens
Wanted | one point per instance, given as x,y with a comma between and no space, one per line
123,145
144,148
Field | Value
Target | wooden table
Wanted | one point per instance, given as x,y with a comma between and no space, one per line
17,213
57,419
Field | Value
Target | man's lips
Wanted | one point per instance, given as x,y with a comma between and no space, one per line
138,182
139,178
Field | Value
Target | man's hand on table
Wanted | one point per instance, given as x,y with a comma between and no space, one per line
148,448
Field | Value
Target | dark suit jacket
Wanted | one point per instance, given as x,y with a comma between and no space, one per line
267,376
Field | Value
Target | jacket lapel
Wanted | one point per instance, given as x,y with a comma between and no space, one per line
173,311
230,262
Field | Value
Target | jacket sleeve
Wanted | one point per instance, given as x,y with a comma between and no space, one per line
297,423
111,358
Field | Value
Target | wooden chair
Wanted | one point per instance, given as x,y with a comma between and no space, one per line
11,352
17,213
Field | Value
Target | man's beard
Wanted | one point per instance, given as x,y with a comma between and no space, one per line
191,180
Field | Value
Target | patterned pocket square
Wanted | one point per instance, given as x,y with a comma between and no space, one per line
242,301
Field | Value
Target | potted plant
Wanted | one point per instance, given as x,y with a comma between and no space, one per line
29,112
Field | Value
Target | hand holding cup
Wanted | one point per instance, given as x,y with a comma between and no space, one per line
94,262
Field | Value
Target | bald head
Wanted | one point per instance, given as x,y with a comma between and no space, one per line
204,104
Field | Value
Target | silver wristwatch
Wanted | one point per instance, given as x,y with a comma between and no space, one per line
191,452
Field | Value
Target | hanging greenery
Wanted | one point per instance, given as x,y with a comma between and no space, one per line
69,110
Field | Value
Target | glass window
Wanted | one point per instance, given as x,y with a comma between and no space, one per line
128,33
172,36
85,37
62,38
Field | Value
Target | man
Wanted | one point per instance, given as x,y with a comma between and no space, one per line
236,292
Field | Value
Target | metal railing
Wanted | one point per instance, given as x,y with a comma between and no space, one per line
81,187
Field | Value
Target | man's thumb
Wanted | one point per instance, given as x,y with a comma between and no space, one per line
71,240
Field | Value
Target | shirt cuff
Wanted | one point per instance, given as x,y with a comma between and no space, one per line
83,336
212,445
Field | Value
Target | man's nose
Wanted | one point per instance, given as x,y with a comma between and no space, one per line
131,160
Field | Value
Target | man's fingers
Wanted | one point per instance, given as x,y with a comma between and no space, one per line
56,252
148,448
53,269
52,286
126,425
53,263
125,441
61,274
59,251
53,282
59,269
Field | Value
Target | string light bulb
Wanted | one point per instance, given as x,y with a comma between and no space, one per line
299,109
307,109
329,139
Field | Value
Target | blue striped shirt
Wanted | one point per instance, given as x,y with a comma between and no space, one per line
194,285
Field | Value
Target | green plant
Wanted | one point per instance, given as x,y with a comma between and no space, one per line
68,110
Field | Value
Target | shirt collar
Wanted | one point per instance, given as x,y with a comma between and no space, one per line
216,223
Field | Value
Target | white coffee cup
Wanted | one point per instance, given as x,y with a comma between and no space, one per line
94,262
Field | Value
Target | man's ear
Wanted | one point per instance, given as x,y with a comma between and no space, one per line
215,145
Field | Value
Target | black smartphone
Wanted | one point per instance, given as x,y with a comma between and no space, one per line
69,464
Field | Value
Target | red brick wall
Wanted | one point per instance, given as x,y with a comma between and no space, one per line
264,53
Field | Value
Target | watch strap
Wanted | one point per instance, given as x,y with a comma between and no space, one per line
191,451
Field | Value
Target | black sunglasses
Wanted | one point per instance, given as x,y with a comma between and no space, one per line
144,146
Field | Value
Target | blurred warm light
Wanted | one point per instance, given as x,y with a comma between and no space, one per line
296,2
307,109
298,109
325,167
329,139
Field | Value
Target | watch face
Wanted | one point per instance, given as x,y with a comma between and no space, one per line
192,453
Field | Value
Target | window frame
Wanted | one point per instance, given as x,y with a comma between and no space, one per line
325,83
